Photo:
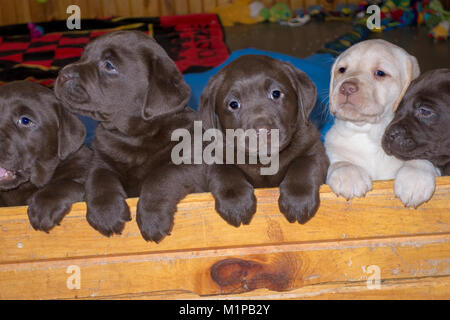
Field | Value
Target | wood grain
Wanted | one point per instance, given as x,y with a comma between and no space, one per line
195,6
281,268
21,11
197,225
181,7
270,258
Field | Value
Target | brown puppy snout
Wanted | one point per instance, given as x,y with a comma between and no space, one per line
262,126
348,88
68,88
396,132
396,135
66,75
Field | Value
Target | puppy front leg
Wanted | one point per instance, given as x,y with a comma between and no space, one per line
107,210
49,205
348,180
160,193
299,190
234,195
415,182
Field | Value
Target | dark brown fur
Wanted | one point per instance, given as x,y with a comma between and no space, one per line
46,157
420,128
138,105
303,162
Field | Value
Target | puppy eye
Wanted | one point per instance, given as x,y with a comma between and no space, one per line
25,122
276,94
342,69
423,112
380,73
234,105
108,66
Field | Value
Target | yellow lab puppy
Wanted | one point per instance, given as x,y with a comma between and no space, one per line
368,81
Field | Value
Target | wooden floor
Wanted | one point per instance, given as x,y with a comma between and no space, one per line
341,253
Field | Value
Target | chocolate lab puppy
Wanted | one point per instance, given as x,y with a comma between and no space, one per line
127,82
42,161
420,128
266,95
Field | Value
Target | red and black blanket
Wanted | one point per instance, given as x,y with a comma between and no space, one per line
195,42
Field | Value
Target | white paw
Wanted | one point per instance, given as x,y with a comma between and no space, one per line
415,182
348,180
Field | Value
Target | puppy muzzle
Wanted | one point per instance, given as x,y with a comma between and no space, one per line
396,142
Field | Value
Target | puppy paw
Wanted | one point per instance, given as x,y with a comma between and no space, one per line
108,214
414,185
297,205
236,206
44,212
348,180
154,224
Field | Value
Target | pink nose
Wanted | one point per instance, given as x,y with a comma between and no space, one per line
348,88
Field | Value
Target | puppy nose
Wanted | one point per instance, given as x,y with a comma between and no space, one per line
348,88
66,75
395,132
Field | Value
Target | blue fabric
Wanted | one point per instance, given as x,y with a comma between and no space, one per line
317,67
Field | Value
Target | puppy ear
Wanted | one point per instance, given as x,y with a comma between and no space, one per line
71,133
332,77
42,171
207,106
167,91
306,90
411,71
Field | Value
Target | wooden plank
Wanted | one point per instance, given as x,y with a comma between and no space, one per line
223,2
309,3
181,7
60,7
430,288
8,12
137,8
37,11
122,8
269,3
198,226
23,14
95,9
154,9
209,5
166,8
84,6
21,11
280,268
297,4
109,8
50,10
195,6
145,8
